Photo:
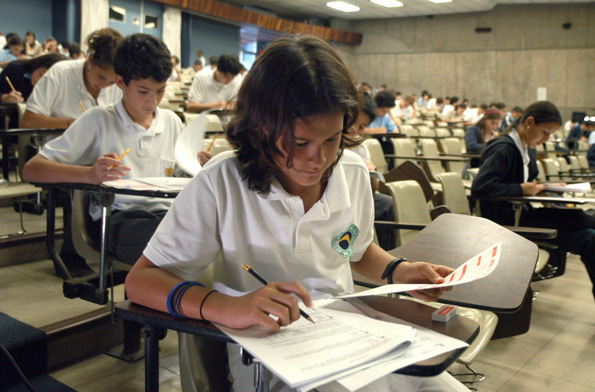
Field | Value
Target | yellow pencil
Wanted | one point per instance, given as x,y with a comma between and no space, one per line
82,106
212,142
120,158
14,90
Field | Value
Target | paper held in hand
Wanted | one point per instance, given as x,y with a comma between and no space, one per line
477,267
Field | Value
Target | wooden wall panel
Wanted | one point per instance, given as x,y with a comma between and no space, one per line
242,16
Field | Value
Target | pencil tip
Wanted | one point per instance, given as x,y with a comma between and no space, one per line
311,320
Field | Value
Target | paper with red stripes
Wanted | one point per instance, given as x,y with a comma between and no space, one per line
477,267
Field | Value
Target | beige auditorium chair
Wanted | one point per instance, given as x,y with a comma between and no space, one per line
376,154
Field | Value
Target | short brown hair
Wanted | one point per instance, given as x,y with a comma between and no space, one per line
102,45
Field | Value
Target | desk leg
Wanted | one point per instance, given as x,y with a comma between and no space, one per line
50,238
105,213
152,336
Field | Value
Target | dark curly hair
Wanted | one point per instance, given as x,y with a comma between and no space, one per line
142,56
295,77
102,45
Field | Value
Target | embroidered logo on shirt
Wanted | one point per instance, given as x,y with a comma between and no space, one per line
343,243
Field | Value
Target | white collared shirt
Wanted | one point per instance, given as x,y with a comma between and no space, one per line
524,150
104,130
205,89
58,92
218,213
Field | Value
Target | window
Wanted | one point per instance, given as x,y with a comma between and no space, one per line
117,14
151,21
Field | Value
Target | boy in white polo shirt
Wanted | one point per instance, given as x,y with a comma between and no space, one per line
216,89
85,152
289,202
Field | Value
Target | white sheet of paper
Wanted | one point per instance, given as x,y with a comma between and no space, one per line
189,144
150,183
583,187
341,339
477,267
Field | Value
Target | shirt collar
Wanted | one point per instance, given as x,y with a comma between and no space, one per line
129,122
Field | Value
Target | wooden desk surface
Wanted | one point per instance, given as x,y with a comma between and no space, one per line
452,239
419,314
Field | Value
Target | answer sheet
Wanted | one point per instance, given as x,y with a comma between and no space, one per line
477,267
340,340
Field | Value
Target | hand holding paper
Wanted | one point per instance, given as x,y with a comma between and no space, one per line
477,267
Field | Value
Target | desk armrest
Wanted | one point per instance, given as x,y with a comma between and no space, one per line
396,225
533,233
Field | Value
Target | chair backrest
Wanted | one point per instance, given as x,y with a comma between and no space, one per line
540,148
583,146
376,153
410,207
574,162
430,150
550,149
551,168
410,170
453,145
458,132
403,147
453,193
425,131
408,130
564,166
583,162
541,177
442,132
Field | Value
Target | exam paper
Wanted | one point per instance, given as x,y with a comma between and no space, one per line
477,267
150,183
341,339
583,187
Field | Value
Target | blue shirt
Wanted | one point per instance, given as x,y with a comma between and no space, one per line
384,121
6,55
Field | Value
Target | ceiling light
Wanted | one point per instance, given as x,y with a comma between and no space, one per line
388,3
342,6
441,1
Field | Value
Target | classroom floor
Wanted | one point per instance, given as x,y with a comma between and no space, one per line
557,354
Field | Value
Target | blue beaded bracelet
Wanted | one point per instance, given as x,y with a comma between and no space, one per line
174,299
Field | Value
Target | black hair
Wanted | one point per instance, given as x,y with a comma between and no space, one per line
366,84
461,105
541,111
454,100
30,33
45,61
176,58
228,64
500,105
484,106
294,78
74,49
384,99
102,45
142,56
15,40
213,60
369,107
517,109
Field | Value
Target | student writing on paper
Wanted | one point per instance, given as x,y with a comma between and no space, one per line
24,75
290,201
508,168
54,102
88,149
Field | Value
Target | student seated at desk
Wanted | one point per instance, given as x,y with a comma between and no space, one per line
383,123
485,130
71,87
86,152
508,168
24,75
288,201
216,89
14,51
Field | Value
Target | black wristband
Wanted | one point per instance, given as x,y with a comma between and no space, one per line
203,302
390,268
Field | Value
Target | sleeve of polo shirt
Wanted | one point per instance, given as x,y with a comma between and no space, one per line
196,90
389,124
46,96
78,145
591,138
234,88
186,241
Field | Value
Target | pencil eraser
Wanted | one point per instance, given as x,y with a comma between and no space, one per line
445,313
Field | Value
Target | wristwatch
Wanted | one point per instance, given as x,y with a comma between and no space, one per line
390,268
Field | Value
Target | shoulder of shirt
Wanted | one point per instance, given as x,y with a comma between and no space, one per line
221,162
61,66
352,161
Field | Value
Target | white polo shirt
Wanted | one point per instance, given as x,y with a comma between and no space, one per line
217,212
205,89
104,130
58,92
407,112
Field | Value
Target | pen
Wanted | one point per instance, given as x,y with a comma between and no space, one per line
11,86
82,106
263,281
212,142
119,158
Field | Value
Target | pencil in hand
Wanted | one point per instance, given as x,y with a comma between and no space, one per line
264,282
14,90
82,106
119,158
